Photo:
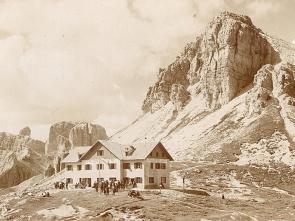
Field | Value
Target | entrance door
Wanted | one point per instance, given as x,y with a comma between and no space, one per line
85,181
88,182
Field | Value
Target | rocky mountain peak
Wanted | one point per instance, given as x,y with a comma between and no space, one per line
66,135
26,131
216,67
226,15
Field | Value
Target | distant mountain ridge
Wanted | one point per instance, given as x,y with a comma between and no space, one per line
22,157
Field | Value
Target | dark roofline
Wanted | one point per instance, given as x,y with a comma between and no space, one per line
169,156
99,141
94,145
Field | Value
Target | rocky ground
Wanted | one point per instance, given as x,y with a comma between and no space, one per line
247,196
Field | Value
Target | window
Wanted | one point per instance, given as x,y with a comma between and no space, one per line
138,179
79,167
100,153
99,166
112,166
126,165
69,167
151,154
112,179
163,179
163,166
99,180
138,165
88,167
158,166
152,165
163,154
157,154
69,180
151,180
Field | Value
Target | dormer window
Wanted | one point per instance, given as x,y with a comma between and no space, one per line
100,153
129,150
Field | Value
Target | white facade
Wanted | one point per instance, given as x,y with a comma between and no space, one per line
148,172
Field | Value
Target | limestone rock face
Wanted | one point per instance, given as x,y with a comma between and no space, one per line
272,81
66,135
85,134
26,131
63,147
21,157
49,171
283,79
179,96
14,142
175,74
56,130
217,66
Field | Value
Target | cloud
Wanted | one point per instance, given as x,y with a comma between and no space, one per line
67,60
63,60
262,8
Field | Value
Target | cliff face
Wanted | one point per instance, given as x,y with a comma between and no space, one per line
55,131
229,93
221,62
14,142
85,134
66,135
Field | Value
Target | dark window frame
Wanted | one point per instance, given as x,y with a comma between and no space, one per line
69,180
157,166
126,166
151,180
88,167
99,166
69,167
138,180
138,165
112,166
100,153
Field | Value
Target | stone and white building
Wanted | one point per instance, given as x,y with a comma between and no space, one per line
145,163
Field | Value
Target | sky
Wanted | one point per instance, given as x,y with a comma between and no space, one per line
93,60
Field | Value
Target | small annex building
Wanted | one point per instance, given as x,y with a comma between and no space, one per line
145,163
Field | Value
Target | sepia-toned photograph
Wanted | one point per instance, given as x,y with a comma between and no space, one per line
147,110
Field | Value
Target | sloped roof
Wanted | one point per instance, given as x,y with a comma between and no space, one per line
142,150
73,155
